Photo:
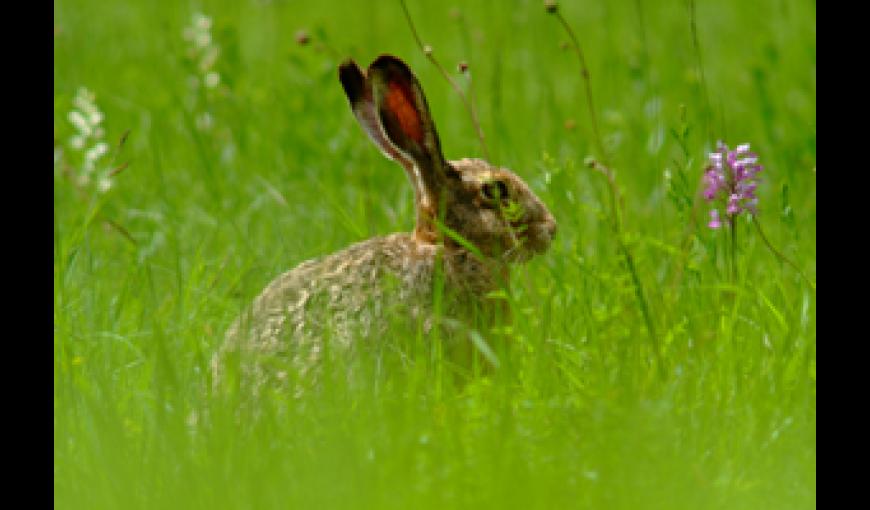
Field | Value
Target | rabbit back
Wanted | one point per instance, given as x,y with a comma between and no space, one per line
343,296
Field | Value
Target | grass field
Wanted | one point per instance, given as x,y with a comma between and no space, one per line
243,159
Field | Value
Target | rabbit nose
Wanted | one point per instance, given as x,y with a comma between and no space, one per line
550,226
542,232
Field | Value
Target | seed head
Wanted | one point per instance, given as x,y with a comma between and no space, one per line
302,38
589,162
551,6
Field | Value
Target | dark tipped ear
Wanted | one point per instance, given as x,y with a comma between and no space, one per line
353,81
359,94
403,112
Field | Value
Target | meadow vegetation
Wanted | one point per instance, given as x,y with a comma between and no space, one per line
202,148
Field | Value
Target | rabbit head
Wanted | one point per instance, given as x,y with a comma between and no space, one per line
489,207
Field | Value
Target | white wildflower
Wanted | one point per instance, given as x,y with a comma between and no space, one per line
202,51
95,117
96,152
87,120
79,122
201,21
84,99
104,184
77,142
212,79
202,40
209,57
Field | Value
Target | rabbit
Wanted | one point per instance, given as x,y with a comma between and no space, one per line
491,218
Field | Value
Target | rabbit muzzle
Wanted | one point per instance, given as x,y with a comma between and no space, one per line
541,234
535,239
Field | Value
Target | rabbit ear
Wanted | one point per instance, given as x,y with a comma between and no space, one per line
404,115
359,93
389,104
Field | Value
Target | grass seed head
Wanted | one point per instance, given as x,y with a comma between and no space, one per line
302,37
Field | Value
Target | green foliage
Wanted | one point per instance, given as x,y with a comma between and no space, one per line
580,412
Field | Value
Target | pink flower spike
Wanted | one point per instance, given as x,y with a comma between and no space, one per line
714,219
746,188
731,188
732,158
733,205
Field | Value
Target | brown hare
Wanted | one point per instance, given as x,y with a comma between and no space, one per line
473,221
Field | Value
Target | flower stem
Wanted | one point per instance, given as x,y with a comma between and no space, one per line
427,51
733,224
616,225
780,255
584,72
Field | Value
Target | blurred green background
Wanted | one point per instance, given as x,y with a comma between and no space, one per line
241,159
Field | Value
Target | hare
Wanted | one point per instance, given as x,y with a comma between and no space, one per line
473,220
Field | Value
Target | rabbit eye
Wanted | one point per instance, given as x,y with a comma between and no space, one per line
494,190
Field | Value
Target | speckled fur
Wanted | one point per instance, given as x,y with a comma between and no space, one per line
347,295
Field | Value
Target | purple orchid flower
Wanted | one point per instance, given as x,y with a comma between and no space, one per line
730,179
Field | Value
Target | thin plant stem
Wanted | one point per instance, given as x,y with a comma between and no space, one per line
732,225
109,222
733,257
120,229
603,167
616,225
584,72
427,51
780,255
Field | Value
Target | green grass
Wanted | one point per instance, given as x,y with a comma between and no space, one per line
580,414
